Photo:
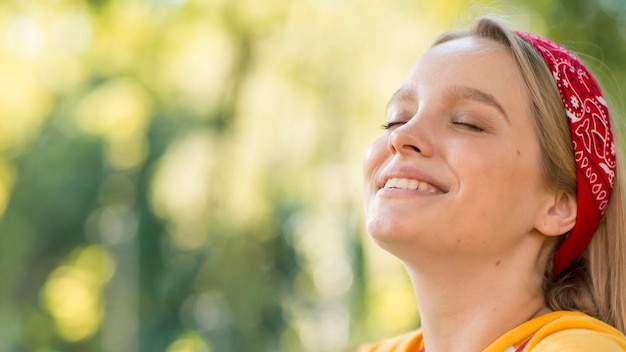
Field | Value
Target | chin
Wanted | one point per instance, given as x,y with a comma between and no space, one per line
386,232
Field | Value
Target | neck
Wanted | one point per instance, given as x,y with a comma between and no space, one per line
468,308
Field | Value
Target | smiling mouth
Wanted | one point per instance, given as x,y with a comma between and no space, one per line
411,184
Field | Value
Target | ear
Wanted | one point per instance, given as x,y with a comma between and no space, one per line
559,216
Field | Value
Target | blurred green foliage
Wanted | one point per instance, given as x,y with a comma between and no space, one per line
184,175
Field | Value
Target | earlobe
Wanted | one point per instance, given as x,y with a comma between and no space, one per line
559,217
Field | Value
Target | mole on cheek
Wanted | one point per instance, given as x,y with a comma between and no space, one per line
498,263
518,153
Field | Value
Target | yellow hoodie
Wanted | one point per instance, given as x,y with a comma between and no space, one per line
558,331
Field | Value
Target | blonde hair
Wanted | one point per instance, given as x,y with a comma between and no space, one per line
595,283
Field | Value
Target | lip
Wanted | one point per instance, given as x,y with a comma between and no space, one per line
410,173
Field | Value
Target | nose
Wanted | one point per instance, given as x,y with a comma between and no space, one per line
411,138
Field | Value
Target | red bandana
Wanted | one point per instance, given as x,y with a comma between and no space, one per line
593,144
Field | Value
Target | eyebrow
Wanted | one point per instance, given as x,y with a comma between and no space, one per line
402,95
453,92
470,93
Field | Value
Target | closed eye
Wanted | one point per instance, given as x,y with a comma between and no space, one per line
468,126
389,125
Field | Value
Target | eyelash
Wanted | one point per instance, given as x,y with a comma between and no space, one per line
468,126
389,125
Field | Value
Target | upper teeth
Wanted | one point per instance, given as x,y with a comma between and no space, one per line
408,183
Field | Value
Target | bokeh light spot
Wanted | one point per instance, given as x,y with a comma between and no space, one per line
189,342
24,37
182,182
72,296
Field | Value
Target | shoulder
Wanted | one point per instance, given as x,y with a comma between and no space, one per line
575,332
407,342
580,340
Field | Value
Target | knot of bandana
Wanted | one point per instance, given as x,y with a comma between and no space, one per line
592,139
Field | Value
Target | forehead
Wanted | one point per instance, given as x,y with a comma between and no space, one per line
482,65
466,58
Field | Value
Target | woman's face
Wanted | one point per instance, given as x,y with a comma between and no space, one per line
457,170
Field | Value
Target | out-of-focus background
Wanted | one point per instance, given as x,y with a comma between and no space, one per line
184,175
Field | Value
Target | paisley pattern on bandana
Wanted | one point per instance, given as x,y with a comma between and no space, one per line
592,139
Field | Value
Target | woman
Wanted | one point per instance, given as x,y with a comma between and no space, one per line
496,184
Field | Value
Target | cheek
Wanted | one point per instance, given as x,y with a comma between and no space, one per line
489,175
502,182
498,166
374,158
